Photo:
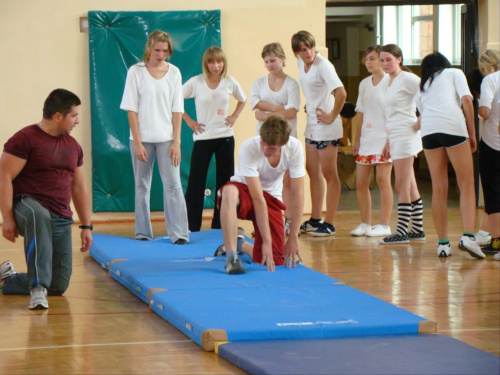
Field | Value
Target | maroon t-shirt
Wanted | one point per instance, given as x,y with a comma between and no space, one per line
49,169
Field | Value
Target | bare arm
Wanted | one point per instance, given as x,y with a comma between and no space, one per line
261,216
175,150
10,167
468,108
289,114
292,251
196,127
484,112
80,196
230,120
340,97
133,121
355,146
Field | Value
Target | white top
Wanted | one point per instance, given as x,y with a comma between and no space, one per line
212,106
490,98
253,163
288,96
440,104
399,103
370,103
154,101
317,85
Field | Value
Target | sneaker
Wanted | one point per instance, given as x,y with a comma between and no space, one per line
490,249
324,230
181,241
470,245
241,232
394,239
444,250
234,267
416,236
379,230
6,271
361,230
483,240
288,223
308,226
496,256
38,300
221,251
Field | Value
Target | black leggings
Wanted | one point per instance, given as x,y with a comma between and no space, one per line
489,168
202,153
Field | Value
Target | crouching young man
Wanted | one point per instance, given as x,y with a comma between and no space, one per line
254,193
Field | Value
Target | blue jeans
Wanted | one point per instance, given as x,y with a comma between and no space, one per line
47,247
174,204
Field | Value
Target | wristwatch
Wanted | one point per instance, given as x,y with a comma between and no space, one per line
91,227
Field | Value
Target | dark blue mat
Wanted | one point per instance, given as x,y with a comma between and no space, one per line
406,354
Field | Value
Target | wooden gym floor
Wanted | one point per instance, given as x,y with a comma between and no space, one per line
99,327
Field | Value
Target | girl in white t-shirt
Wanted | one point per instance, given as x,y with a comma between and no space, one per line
153,100
447,133
489,147
277,93
325,97
404,143
213,131
369,148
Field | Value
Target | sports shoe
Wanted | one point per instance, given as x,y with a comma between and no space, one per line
221,251
181,241
38,300
241,232
394,239
444,250
308,226
483,240
324,230
6,271
234,267
490,249
416,236
470,245
288,223
496,256
379,230
361,230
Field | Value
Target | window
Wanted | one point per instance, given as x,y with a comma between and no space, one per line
423,29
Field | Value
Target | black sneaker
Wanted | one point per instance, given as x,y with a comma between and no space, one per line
324,230
234,267
309,226
221,251
416,236
492,248
181,241
394,239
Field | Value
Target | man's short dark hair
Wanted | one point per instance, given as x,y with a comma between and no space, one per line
59,100
275,130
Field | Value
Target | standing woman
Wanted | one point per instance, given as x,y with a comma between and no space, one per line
277,93
489,147
154,105
325,97
446,133
213,131
404,143
369,148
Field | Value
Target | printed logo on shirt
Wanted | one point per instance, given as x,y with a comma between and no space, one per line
220,112
369,125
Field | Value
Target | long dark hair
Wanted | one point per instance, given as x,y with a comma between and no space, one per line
431,66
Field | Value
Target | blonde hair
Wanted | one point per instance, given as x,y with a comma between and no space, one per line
214,53
302,37
275,49
157,36
275,130
489,61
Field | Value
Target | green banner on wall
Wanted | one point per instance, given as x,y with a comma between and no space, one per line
116,42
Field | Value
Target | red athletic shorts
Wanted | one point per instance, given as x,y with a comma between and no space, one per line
275,212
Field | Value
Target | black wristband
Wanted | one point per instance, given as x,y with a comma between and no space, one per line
91,227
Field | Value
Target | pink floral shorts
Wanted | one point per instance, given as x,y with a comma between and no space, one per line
372,159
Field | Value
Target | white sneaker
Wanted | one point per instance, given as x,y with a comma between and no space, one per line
288,224
38,300
361,230
6,271
444,250
470,245
379,230
482,240
496,256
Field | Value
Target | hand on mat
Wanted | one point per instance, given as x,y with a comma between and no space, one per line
292,255
267,259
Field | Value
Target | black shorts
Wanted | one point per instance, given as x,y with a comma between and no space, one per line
439,140
489,168
322,144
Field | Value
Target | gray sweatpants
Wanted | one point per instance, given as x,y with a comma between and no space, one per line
47,248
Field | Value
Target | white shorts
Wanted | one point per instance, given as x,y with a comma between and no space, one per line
405,146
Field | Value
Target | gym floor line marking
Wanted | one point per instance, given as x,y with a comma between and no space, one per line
93,345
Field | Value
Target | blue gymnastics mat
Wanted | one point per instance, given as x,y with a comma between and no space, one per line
189,288
404,354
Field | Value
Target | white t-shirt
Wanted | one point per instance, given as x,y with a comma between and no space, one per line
253,163
440,104
490,98
317,85
399,104
373,131
154,101
212,106
288,96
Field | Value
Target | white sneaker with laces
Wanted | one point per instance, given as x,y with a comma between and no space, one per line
482,240
496,256
361,230
470,245
38,300
444,250
379,230
6,271
288,224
